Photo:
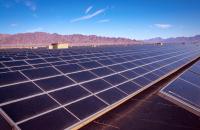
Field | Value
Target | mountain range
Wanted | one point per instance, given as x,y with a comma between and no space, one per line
44,39
194,39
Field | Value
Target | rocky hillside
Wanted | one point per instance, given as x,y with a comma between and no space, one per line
42,38
194,39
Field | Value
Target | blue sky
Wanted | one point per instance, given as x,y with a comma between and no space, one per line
138,19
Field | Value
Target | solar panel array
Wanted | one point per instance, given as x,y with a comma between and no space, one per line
62,89
185,90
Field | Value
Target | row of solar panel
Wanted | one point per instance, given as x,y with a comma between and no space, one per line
52,53
85,63
82,104
51,83
24,65
65,59
81,55
77,51
185,90
12,77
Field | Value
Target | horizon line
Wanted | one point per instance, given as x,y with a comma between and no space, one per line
98,35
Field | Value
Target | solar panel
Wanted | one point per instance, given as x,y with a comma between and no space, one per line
115,79
91,64
14,63
11,77
40,72
41,65
185,90
58,119
117,68
102,71
69,68
54,82
86,107
69,94
21,67
30,107
35,61
4,70
111,95
18,91
129,87
96,85
62,89
82,76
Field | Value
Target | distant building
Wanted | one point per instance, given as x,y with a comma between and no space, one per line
58,46
159,43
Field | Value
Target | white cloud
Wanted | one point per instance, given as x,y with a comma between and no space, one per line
30,4
13,25
38,29
163,26
89,16
88,9
104,21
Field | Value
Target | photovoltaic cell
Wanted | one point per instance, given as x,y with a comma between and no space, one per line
112,95
159,72
35,61
192,77
14,63
96,85
91,64
129,65
115,79
86,107
17,91
102,71
40,72
1,65
21,68
33,57
55,120
30,107
69,68
129,74
117,68
5,59
4,70
54,82
59,63
11,77
42,65
70,94
142,81
129,87
196,68
140,70
53,59
118,60
151,76
106,62
82,76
